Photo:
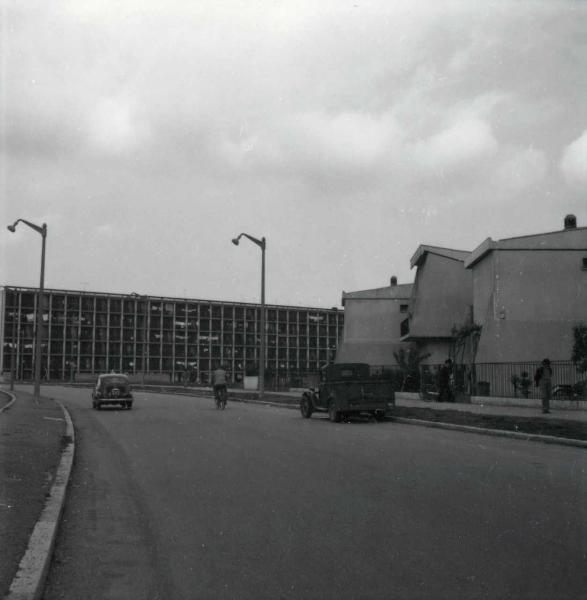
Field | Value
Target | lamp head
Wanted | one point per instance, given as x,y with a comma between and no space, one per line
235,241
12,228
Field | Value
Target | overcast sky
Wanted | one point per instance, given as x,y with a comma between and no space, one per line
148,134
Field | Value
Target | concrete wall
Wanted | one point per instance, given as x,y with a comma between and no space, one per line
373,319
528,302
372,330
483,276
444,294
541,285
438,350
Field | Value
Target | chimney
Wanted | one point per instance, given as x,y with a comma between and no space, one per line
393,281
570,222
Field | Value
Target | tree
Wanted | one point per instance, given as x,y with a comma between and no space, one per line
409,361
579,356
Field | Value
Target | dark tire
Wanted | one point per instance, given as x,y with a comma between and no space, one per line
98,406
306,407
333,414
128,405
379,416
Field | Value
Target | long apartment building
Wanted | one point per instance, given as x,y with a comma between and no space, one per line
90,333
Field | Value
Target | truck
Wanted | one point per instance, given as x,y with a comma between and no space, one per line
349,388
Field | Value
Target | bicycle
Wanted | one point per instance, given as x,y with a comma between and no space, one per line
220,397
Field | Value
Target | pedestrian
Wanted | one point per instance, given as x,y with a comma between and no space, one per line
543,380
444,382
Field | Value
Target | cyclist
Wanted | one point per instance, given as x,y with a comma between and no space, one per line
219,381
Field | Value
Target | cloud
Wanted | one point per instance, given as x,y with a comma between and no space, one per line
457,148
573,164
287,119
113,127
520,169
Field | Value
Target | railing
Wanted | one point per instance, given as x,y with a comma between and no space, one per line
508,380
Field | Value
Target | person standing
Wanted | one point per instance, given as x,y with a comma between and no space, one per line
543,380
444,382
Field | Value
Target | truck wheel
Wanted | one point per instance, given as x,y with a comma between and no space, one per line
306,407
333,414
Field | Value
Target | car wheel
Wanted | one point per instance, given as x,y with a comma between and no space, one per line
306,407
333,414
379,415
97,406
128,405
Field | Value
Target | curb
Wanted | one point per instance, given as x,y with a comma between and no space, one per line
534,437
10,403
29,581
546,439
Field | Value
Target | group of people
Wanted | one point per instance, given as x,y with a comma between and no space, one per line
542,380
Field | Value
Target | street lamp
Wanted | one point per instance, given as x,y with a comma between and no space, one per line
38,353
262,244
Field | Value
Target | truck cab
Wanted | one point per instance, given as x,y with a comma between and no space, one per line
348,388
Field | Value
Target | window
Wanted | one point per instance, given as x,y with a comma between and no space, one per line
403,308
584,264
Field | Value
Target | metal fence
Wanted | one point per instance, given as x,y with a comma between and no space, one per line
508,380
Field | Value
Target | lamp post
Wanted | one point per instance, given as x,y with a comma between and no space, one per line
262,244
42,230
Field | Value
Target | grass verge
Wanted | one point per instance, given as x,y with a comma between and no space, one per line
535,425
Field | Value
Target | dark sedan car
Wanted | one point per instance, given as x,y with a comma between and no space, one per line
112,388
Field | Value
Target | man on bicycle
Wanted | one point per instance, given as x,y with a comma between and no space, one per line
219,381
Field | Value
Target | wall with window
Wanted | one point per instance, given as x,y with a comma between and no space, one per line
92,333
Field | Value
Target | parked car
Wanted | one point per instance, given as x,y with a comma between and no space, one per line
347,389
112,388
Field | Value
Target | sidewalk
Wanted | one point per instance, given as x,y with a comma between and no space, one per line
31,444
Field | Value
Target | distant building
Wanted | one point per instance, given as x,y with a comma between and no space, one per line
170,338
372,327
528,293
441,301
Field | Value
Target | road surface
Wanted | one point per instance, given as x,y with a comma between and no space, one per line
177,500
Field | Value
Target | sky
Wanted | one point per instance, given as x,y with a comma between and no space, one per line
147,135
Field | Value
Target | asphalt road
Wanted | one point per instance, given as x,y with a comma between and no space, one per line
177,500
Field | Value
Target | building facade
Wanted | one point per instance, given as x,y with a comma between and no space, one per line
441,301
373,324
529,293
86,333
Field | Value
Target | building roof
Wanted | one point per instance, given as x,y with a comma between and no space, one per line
393,292
134,296
567,239
424,249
